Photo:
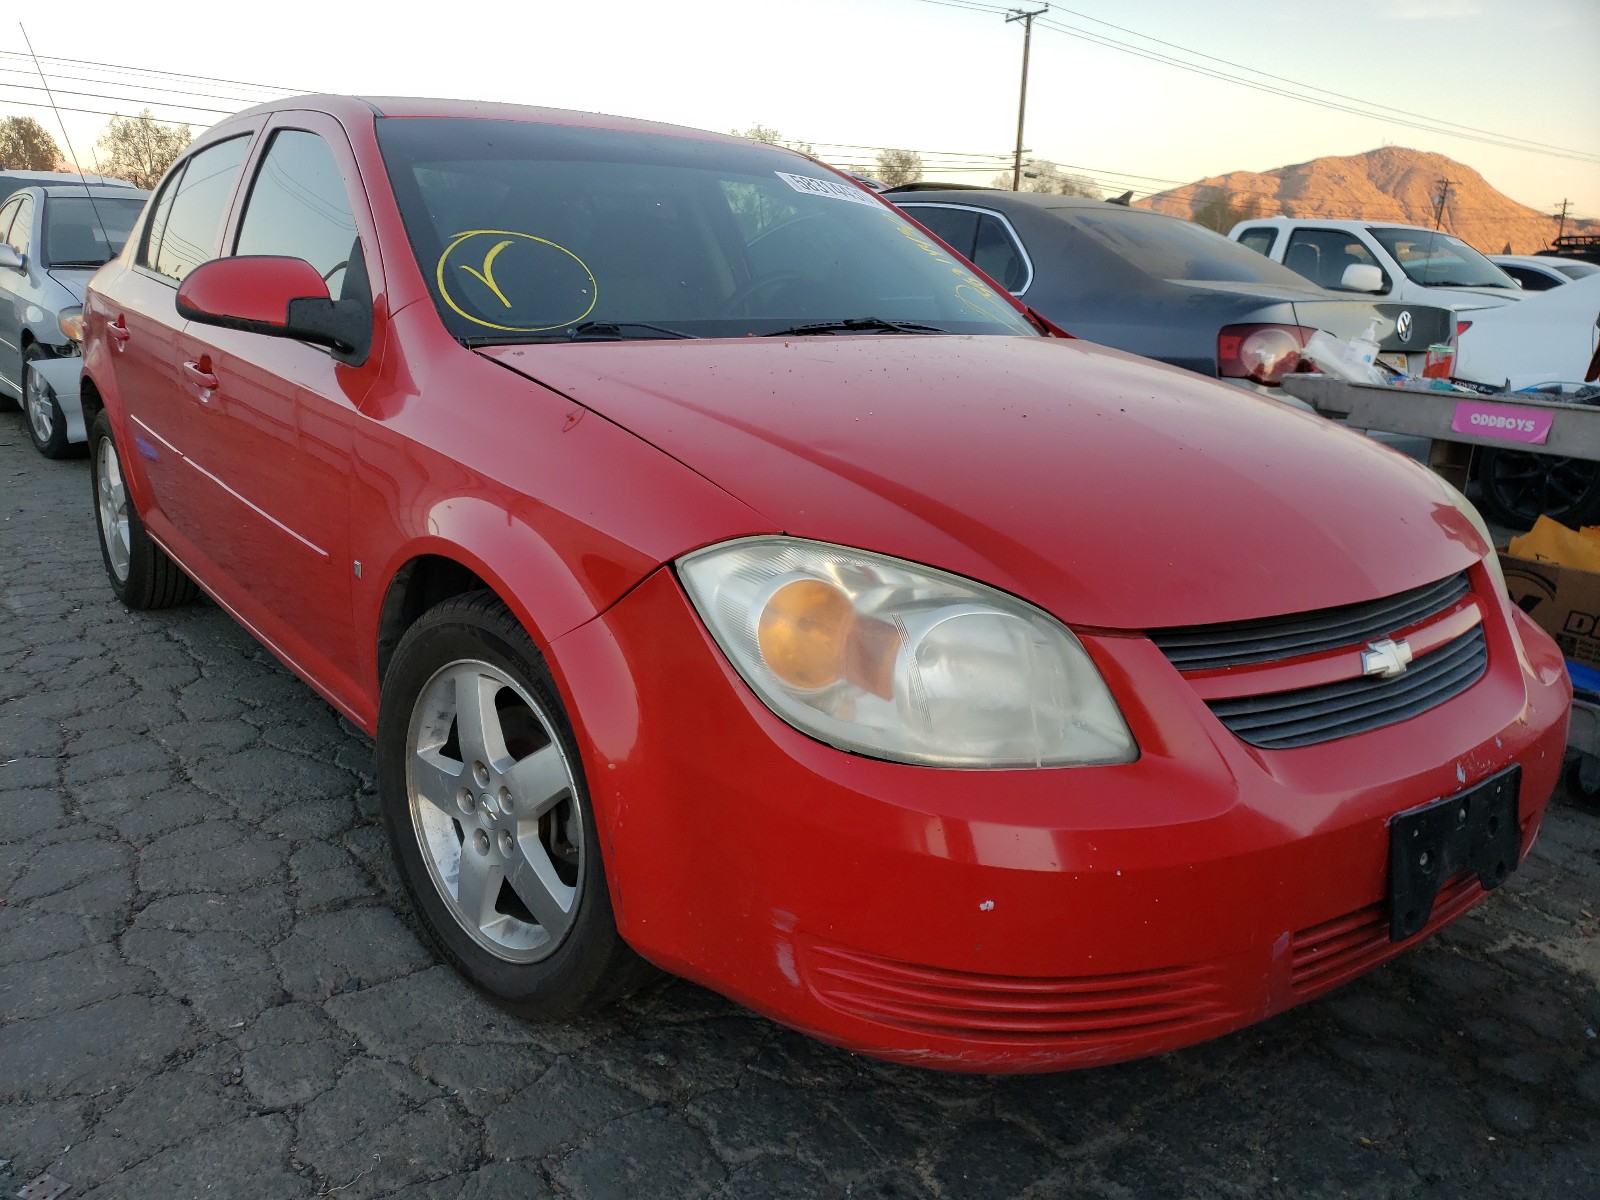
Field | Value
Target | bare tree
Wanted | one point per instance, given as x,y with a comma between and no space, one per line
771,137
25,145
899,167
140,149
1042,175
1226,211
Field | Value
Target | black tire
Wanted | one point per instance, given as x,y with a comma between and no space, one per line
1517,487
141,573
529,957
1581,775
51,440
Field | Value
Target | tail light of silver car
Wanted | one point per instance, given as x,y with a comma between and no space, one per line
1262,353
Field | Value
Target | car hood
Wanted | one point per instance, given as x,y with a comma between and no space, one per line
74,279
1110,490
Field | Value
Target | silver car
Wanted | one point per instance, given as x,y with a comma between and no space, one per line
52,239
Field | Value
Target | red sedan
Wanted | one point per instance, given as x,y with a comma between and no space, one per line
734,579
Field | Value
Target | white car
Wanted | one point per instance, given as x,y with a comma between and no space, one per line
1406,263
1548,338
1541,272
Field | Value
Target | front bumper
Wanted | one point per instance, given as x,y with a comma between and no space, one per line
1017,920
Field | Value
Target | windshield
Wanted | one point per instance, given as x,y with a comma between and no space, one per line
80,231
1441,260
1576,270
536,232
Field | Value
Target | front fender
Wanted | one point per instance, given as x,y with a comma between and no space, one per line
64,376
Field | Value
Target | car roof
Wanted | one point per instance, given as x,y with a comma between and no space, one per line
355,109
93,189
997,198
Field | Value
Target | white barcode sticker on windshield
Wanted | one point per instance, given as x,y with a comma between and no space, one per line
831,188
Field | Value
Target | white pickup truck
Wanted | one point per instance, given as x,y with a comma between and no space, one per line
1406,263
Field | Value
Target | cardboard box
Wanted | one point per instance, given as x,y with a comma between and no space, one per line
1563,601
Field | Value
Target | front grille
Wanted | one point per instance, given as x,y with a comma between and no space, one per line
1305,716
1014,1009
1239,643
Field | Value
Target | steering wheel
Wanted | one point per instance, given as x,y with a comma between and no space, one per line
757,287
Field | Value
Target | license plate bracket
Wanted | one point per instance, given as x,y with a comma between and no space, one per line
1474,830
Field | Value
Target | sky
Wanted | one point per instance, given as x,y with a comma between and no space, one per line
850,76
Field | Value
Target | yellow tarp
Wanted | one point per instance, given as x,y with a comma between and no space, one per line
1552,542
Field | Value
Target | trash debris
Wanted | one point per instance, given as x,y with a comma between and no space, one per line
46,1187
1549,541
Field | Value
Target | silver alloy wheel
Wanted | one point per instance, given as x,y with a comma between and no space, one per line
41,404
111,502
495,810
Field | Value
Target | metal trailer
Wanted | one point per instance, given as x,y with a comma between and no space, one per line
1573,432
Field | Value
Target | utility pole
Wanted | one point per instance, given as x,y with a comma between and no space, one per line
1022,100
1562,217
1438,208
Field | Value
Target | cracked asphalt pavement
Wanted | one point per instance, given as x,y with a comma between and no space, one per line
211,986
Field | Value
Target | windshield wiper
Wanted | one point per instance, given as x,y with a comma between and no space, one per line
589,331
856,324
95,262
611,331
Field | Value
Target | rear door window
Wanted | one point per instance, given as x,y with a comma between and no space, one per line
958,226
1259,240
999,255
187,229
1531,280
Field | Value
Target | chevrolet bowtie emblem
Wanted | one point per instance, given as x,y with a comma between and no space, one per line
1386,659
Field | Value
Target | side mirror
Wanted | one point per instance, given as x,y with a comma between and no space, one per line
11,257
1362,277
276,297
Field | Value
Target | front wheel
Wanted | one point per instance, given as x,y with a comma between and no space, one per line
141,573
488,817
46,425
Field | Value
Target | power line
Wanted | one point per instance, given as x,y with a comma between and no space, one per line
1300,83
221,112
1401,117
84,62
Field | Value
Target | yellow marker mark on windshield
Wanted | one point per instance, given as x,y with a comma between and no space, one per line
552,283
486,276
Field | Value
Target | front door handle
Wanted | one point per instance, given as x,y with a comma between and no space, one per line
200,373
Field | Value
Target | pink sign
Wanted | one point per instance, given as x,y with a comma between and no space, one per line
1502,421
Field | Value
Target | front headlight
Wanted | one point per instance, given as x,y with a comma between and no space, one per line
71,322
1470,512
897,661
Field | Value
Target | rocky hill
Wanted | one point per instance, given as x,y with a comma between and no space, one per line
1391,184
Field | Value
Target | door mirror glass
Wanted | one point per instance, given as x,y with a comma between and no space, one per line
9,258
1362,277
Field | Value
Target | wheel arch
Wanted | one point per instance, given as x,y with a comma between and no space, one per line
420,583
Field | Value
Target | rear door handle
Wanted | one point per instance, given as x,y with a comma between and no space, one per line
200,373
119,332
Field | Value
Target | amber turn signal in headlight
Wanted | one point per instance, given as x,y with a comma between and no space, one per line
898,661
